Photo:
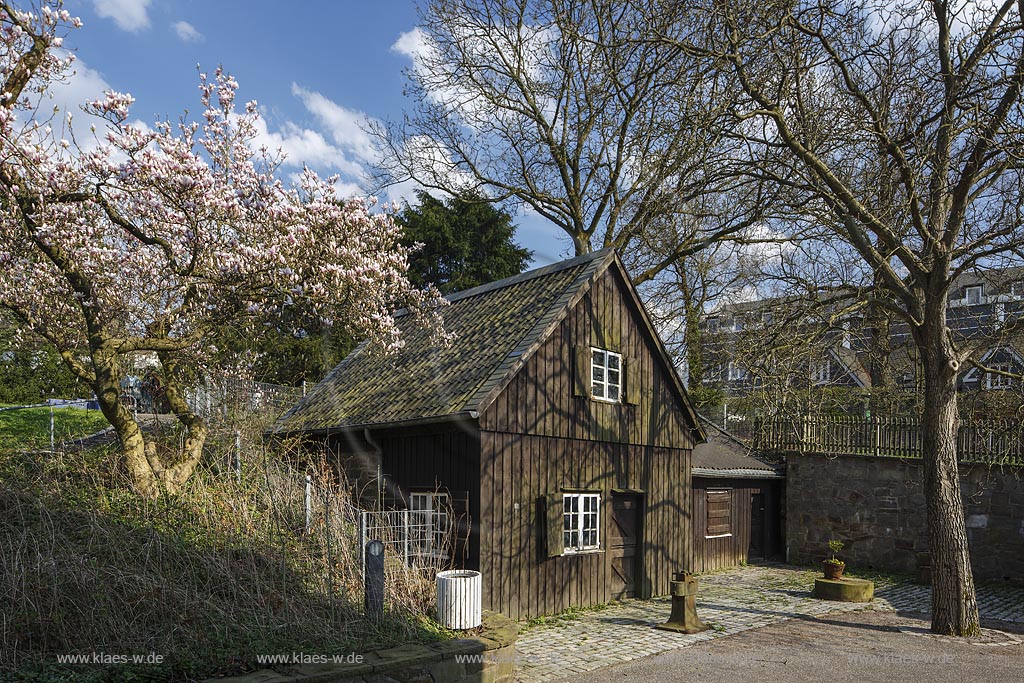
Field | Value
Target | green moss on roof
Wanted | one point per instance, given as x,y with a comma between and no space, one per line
493,325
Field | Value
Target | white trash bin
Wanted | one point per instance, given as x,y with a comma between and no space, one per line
459,599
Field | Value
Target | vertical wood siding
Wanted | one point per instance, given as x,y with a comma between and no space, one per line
441,458
723,552
540,399
518,471
538,438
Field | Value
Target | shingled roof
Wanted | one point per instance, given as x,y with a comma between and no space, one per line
496,328
725,456
493,325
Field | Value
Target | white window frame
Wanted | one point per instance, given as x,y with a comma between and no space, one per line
581,515
736,372
430,516
601,384
995,381
712,324
1017,288
822,371
974,288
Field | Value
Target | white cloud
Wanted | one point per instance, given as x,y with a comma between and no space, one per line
346,126
82,85
129,15
187,32
305,147
412,44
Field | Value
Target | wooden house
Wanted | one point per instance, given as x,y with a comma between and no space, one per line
555,424
736,505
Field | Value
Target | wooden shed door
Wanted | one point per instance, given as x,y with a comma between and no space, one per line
624,544
756,549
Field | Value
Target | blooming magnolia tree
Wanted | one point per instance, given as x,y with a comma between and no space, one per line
137,239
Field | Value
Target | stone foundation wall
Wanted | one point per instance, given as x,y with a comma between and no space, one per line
876,507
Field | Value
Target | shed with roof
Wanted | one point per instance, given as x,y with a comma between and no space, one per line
550,441
736,505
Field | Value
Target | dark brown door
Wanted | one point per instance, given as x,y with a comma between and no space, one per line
624,544
756,526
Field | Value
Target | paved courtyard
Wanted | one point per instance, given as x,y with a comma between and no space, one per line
730,602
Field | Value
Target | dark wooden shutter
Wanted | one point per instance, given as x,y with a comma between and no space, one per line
631,368
719,513
581,371
553,507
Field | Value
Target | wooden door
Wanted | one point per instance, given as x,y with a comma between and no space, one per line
624,544
757,527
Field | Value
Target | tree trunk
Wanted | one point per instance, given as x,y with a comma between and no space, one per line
197,431
137,454
954,604
692,341
880,356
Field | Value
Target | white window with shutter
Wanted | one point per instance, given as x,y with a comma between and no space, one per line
581,522
606,375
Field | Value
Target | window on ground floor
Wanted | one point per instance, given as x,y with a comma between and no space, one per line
581,522
719,513
430,523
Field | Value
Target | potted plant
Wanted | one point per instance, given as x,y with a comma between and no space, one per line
833,567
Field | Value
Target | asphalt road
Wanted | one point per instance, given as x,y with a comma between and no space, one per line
857,647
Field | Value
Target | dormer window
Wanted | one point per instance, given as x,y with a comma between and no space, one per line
1017,288
972,295
766,318
712,325
606,375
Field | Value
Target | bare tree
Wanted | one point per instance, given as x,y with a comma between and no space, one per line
926,95
562,107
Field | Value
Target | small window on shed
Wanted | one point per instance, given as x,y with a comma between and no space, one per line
973,295
606,375
719,513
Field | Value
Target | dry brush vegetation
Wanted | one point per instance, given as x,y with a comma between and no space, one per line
209,578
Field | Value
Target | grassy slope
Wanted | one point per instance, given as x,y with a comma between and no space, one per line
208,579
30,428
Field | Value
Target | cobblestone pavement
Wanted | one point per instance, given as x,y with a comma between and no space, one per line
730,601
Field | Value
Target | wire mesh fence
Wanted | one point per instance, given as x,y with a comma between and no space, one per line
221,395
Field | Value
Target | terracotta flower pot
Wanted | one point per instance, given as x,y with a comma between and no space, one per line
833,570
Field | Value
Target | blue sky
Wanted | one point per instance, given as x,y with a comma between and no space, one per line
317,69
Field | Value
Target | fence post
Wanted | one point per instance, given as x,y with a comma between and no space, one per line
238,456
309,503
52,447
373,581
362,544
405,536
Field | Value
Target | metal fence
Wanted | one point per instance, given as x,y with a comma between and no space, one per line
220,395
991,441
420,538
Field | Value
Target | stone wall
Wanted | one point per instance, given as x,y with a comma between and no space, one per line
487,656
876,507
